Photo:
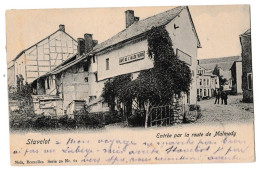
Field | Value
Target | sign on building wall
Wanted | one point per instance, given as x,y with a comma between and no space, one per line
184,57
131,58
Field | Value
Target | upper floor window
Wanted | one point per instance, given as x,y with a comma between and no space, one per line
96,77
107,64
94,59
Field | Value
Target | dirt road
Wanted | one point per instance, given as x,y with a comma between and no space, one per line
234,112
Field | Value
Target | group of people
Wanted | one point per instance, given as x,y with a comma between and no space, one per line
221,94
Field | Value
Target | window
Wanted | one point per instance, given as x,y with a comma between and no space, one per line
48,83
96,77
207,82
91,98
249,81
200,81
107,64
94,59
86,79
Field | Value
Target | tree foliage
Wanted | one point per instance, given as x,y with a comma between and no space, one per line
216,71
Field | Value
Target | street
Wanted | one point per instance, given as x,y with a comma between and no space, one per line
235,112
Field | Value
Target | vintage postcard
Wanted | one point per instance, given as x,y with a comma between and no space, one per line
137,85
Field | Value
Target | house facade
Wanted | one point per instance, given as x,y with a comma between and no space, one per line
247,73
223,64
207,83
126,52
83,77
42,57
69,81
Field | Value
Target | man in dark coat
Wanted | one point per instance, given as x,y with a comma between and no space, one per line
217,95
225,97
222,96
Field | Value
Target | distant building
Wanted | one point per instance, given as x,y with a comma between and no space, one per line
82,78
236,75
247,74
207,83
42,57
224,67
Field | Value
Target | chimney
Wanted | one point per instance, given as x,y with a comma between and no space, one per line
88,42
62,27
95,42
81,46
129,18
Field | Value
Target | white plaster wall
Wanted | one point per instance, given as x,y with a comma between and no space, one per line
115,69
183,38
239,76
75,87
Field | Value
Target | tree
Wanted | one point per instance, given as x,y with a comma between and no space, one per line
216,72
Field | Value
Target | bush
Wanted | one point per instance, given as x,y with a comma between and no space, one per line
112,117
89,120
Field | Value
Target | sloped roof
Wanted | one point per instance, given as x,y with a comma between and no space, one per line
224,62
199,66
142,26
40,42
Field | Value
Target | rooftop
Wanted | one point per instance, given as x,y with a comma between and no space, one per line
224,62
142,26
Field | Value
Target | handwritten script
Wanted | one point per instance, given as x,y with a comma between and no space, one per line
163,148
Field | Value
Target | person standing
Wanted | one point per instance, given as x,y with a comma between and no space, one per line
225,98
222,95
217,95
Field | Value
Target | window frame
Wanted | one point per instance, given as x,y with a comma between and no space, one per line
107,63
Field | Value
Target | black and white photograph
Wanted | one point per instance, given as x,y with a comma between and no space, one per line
130,85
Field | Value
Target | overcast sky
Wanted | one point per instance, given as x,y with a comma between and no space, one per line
218,27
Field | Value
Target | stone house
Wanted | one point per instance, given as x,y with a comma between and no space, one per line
207,83
247,73
236,75
69,81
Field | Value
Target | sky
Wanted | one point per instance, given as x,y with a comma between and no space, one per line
218,27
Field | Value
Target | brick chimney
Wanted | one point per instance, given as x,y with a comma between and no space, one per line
129,18
62,27
81,46
88,42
